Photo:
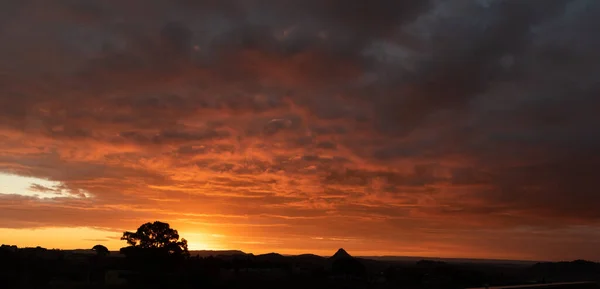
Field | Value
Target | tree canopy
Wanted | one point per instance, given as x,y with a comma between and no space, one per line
157,235
101,250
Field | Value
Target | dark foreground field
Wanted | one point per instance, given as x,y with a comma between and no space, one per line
41,268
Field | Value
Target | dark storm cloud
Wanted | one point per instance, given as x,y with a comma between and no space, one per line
173,136
568,188
326,145
463,58
217,149
421,175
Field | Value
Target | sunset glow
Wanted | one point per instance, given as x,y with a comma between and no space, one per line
415,128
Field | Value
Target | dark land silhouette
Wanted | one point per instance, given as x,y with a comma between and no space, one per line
157,258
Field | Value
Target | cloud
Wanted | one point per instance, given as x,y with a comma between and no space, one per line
41,189
384,119
98,240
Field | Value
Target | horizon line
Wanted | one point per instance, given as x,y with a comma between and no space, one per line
422,257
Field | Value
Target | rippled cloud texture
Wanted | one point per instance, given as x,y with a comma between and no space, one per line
445,128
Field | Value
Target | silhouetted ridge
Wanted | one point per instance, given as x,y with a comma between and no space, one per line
206,253
271,257
309,257
341,254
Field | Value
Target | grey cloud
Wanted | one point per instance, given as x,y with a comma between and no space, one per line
176,40
42,189
276,125
470,176
173,136
461,62
421,176
98,240
206,148
326,145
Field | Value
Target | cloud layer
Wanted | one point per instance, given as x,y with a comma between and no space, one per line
422,127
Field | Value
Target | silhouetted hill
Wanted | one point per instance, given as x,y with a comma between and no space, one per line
431,263
341,253
568,285
214,253
414,259
309,258
271,257
566,271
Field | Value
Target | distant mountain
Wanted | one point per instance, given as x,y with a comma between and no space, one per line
214,253
271,257
308,258
566,271
342,264
340,254
414,259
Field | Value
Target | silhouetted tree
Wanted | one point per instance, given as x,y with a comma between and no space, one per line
101,250
157,235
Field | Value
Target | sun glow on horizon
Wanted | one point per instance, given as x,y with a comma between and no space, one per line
201,241
195,246
61,238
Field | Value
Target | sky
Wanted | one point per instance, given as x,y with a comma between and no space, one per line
415,128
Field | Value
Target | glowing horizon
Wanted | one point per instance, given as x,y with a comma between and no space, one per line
112,242
63,238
